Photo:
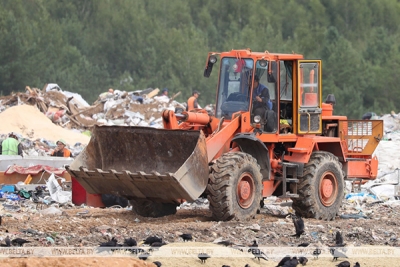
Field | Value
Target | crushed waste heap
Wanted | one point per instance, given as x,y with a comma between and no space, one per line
41,117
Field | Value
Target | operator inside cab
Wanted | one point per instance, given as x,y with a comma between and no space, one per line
262,103
238,91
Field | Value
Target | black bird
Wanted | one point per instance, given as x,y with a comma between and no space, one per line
203,257
135,250
130,242
291,263
339,240
316,252
152,239
356,264
238,248
157,263
186,237
306,244
283,260
258,254
225,243
344,264
247,265
303,260
7,244
337,254
144,256
298,224
156,245
112,243
0,219
226,265
19,242
254,245
8,241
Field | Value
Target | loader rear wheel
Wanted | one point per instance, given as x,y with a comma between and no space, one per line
321,189
234,189
148,208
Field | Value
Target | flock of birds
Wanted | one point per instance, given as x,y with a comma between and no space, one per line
17,242
131,245
337,250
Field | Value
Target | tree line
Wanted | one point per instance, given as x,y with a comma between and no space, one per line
88,46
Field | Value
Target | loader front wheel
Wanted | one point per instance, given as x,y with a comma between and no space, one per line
321,189
148,208
235,187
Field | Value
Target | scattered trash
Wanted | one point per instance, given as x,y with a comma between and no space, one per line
11,196
11,207
82,212
359,195
56,192
354,216
51,211
50,240
314,235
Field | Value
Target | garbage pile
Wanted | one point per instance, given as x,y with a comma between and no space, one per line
52,192
28,115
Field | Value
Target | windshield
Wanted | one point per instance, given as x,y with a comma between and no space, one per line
233,87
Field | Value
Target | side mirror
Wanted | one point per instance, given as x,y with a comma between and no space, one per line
211,60
272,72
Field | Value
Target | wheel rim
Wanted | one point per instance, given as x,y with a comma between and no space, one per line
328,189
245,190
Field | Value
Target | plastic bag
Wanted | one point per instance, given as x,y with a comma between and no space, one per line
56,192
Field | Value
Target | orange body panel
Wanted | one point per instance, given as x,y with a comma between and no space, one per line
305,145
367,169
327,110
219,142
268,188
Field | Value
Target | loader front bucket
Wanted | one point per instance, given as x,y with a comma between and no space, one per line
143,162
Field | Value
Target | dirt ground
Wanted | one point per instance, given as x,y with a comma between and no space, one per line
88,227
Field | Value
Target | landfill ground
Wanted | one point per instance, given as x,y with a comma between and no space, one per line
85,227
41,117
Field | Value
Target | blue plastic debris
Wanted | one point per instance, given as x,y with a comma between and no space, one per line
8,188
360,194
11,196
314,235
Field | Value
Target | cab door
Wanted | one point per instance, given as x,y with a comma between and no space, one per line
309,94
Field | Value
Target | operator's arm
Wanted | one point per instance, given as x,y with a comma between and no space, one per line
265,95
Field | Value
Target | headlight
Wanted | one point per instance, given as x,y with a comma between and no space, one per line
213,59
257,118
263,63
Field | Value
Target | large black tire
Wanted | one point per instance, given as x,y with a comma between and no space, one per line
148,208
235,187
321,189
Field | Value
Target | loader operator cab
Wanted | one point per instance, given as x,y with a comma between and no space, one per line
235,91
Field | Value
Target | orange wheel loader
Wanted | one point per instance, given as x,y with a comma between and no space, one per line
295,148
